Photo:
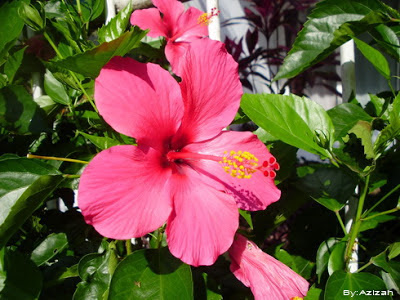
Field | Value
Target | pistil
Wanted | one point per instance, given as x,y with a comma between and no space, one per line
238,164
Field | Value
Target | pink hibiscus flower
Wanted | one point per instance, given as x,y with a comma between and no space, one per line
268,278
184,170
178,26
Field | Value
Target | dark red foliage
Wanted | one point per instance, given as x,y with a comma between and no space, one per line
38,46
274,23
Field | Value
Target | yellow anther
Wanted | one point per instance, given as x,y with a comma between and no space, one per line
239,164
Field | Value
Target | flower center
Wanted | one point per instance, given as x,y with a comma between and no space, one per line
238,164
205,18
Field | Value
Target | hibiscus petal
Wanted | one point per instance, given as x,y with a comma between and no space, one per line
124,192
149,19
188,26
203,222
139,100
171,10
255,193
211,90
268,278
174,53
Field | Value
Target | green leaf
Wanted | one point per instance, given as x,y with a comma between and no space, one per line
24,185
45,103
394,250
379,107
329,186
314,294
340,284
19,113
50,247
363,131
374,222
387,40
101,142
13,63
247,216
116,26
392,268
11,23
264,136
295,120
90,62
91,9
31,17
391,131
96,270
151,274
330,24
22,279
55,89
323,254
345,116
375,58
336,260
297,263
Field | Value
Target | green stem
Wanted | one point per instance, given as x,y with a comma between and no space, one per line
78,6
71,175
341,222
391,88
355,228
128,246
57,158
159,238
78,82
364,267
386,212
381,200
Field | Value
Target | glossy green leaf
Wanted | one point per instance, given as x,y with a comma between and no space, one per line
11,23
336,260
329,186
345,116
373,223
21,277
101,142
31,17
394,250
323,254
90,62
95,270
297,121
19,113
330,24
314,294
55,89
45,103
392,268
91,9
375,57
24,185
151,274
297,263
13,63
247,216
363,131
340,284
387,40
391,131
116,26
50,247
